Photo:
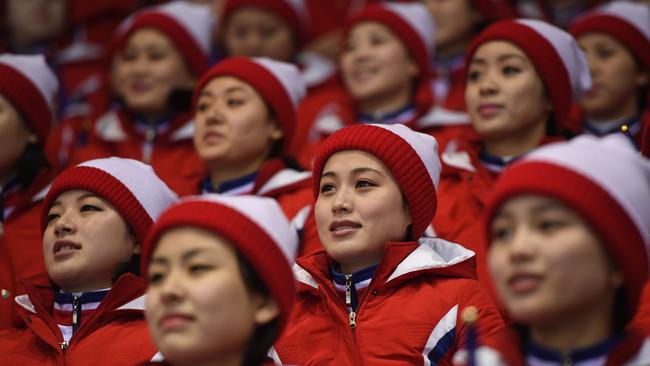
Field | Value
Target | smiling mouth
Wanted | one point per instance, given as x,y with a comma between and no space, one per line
64,248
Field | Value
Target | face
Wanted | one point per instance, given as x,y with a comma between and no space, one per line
147,70
455,21
504,94
34,21
198,307
375,63
546,262
85,241
359,209
14,136
255,32
616,78
233,126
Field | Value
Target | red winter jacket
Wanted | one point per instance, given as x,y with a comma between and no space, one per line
116,333
409,315
171,153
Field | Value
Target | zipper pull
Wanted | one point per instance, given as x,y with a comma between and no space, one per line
76,312
64,345
353,319
567,361
348,290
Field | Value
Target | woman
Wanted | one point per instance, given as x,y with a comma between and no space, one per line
220,285
522,76
616,40
568,254
377,295
93,220
27,111
159,54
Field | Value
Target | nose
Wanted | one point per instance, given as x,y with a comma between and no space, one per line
171,289
64,225
488,84
522,245
342,202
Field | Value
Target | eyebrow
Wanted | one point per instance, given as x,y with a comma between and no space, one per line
355,171
228,90
80,198
501,58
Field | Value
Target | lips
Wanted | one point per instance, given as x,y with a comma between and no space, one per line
344,227
363,73
489,110
523,283
174,321
63,248
212,136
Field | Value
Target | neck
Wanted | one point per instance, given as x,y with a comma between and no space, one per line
387,102
445,52
220,172
628,111
516,143
583,328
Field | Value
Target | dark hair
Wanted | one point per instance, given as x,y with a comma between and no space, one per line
30,163
263,335
132,265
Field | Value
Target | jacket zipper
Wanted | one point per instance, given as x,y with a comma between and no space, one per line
76,314
352,315
147,147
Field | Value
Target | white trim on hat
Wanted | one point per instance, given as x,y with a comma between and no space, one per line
419,18
195,18
612,163
36,70
288,75
300,9
267,214
573,58
138,178
636,14
424,145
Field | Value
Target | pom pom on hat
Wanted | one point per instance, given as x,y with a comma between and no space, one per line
412,23
31,87
279,83
255,226
556,56
411,157
293,12
606,182
626,21
189,26
130,186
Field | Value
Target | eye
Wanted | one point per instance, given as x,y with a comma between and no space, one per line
129,56
377,39
89,208
156,56
52,216
155,277
197,269
202,106
473,75
234,102
364,184
500,233
604,53
510,70
326,187
550,225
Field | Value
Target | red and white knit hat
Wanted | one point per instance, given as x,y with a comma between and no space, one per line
279,83
412,158
606,182
130,186
558,60
31,87
412,23
188,25
294,12
255,226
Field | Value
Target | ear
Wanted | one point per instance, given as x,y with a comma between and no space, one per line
274,130
617,278
266,309
137,248
32,138
642,78
412,69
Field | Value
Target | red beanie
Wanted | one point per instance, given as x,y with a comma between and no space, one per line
130,186
279,83
255,226
560,63
293,12
189,26
30,86
606,182
626,21
411,157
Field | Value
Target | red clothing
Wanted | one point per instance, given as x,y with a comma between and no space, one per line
170,152
410,312
632,350
116,333
7,286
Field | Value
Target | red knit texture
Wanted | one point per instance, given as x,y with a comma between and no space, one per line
279,8
246,236
27,100
105,186
399,26
186,44
620,236
544,57
614,26
264,82
398,156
